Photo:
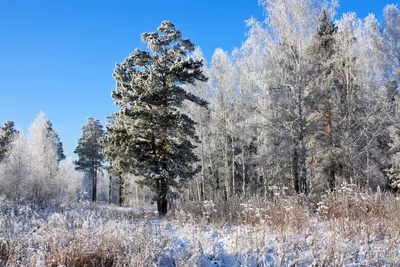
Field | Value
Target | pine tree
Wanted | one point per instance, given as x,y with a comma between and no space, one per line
149,93
321,101
114,142
89,151
59,144
6,135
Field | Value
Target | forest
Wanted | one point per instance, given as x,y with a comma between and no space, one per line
283,152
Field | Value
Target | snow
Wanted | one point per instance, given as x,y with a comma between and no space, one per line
31,236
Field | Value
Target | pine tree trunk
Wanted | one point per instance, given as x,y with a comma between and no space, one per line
121,191
162,206
161,197
331,175
94,184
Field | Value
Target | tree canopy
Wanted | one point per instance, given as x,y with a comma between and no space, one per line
161,136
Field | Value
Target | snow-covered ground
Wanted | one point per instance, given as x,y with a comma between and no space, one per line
88,235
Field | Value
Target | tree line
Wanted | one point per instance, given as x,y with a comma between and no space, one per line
304,105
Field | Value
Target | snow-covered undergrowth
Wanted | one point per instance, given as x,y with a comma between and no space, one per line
347,228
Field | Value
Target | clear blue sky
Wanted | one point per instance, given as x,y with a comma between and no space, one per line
58,56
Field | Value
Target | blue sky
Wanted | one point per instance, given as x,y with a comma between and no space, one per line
58,56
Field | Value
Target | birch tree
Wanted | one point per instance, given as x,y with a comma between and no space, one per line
292,24
42,147
15,170
222,118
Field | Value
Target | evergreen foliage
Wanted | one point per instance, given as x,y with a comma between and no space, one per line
152,134
114,142
59,144
89,151
6,135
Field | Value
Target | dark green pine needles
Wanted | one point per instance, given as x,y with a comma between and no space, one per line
152,136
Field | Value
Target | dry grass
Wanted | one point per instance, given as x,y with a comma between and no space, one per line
281,213
346,227
92,236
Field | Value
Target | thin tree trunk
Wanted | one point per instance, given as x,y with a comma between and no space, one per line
295,170
94,184
202,187
190,191
368,176
233,166
264,181
243,171
121,190
202,197
110,190
137,194
331,175
302,149
216,189
218,186
303,165
226,180
226,159
198,189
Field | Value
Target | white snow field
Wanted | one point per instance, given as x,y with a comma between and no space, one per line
351,229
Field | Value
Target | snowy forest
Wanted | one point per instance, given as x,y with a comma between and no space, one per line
283,152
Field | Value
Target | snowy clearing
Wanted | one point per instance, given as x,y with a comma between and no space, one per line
99,235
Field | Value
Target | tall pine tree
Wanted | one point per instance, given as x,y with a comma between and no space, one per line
149,93
89,151
114,143
321,102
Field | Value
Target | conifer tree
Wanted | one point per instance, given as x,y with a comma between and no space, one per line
6,134
321,101
114,141
149,93
89,151
59,144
